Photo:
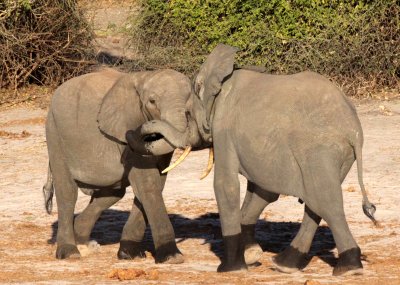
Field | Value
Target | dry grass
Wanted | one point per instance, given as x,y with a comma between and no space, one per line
43,41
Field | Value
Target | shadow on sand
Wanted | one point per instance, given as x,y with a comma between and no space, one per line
272,236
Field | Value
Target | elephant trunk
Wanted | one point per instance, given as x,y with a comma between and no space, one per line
162,136
156,138
195,131
175,130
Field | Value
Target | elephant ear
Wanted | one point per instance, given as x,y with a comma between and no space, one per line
120,110
218,65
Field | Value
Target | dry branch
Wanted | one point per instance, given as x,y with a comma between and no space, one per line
42,41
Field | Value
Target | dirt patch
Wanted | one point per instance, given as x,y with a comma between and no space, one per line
31,121
28,96
27,244
132,274
10,135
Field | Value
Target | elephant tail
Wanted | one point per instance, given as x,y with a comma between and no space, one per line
368,208
48,192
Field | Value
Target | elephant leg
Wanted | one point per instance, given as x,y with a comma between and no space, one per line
101,200
133,233
135,227
325,199
147,183
227,193
252,207
66,192
295,257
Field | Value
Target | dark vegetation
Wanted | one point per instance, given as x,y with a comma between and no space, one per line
356,43
43,42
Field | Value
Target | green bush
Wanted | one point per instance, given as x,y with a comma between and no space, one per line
354,42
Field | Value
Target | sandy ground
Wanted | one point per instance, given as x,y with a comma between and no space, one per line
27,240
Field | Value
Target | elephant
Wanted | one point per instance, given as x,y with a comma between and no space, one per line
88,148
295,135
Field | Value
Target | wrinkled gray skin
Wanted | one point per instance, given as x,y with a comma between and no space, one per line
295,135
86,136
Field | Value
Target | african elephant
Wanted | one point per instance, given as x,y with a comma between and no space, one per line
294,134
87,146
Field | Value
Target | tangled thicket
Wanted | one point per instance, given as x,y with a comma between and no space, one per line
42,41
355,42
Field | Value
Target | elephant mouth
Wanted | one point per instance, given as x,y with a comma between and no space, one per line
149,138
159,137
148,142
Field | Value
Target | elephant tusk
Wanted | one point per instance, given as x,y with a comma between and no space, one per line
209,165
179,160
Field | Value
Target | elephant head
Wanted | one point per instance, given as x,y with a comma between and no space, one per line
218,66
141,97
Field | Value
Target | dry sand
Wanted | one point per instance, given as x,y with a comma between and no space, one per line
27,233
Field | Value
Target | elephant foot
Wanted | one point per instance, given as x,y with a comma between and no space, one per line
290,260
67,251
233,259
252,250
130,250
175,259
226,267
169,253
349,263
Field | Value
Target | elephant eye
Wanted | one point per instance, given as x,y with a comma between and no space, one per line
152,101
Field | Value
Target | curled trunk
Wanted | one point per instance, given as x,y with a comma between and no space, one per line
158,137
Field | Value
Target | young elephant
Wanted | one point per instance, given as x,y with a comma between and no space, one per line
85,130
296,135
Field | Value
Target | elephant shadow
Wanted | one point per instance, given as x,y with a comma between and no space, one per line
272,236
